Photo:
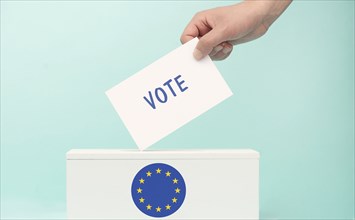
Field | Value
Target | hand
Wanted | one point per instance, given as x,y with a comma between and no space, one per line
221,28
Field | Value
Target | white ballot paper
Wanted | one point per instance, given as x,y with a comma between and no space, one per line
167,94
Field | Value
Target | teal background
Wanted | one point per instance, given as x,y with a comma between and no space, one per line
293,99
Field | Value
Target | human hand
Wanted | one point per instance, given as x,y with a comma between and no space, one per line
221,28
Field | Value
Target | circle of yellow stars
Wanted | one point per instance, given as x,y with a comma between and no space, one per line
173,200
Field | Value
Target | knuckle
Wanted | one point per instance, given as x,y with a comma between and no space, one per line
198,14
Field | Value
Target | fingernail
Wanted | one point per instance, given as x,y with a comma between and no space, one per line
226,50
197,54
218,48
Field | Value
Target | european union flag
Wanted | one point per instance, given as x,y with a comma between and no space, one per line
158,190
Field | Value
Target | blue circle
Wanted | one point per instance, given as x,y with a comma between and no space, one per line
158,190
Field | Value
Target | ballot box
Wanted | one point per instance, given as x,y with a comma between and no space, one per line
174,184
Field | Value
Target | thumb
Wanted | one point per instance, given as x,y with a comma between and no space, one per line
207,42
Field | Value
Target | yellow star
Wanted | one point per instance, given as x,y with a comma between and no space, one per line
174,200
177,190
149,173
168,173
158,170
139,190
175,181
141,181
141,200
149,207
168,207
158,209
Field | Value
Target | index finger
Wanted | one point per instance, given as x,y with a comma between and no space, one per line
191,31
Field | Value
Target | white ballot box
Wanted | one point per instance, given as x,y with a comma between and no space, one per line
181,184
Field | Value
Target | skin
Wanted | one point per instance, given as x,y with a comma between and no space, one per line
219,29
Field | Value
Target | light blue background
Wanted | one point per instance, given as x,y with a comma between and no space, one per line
293,102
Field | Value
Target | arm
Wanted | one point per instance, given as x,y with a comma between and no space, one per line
221,28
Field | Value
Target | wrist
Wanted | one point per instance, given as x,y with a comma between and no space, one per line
268,10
